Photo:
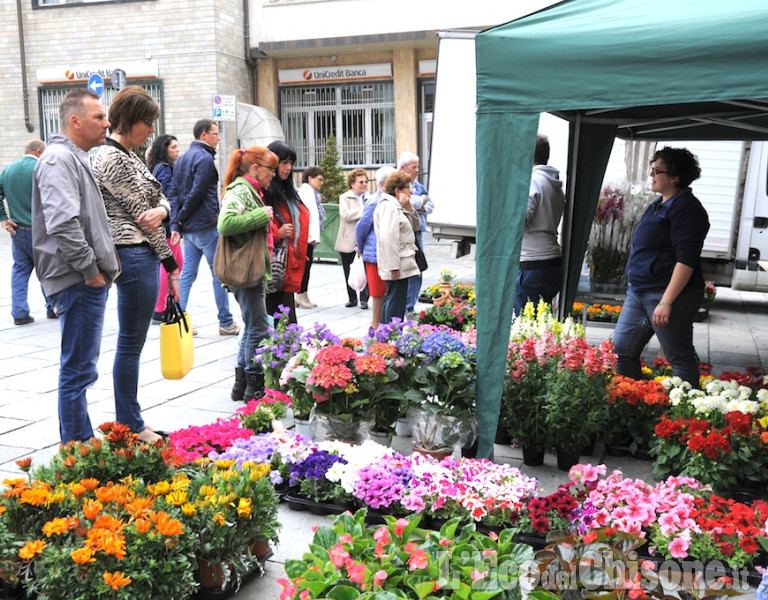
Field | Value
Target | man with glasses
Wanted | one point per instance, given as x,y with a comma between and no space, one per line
195,214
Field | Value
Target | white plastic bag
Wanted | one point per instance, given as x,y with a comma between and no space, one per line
357,279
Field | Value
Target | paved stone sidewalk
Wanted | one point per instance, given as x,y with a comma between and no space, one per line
735,335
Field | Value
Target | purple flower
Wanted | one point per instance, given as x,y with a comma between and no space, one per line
315,466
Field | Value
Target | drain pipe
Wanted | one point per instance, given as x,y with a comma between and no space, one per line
24,90
247,43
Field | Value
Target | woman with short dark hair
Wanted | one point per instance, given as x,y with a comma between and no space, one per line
161,157
136,208
395,222
291,223
666,285
312,180
351,205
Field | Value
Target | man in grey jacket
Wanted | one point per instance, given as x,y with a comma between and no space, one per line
75,258
541,268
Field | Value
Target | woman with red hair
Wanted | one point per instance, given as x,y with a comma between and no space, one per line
243,214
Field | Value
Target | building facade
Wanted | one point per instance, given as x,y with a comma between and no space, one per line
357,69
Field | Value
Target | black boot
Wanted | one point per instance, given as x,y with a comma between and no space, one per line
255,387
240,384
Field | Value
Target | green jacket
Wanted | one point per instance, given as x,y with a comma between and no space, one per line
242,214
16,187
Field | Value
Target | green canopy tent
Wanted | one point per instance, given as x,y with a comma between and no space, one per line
689,69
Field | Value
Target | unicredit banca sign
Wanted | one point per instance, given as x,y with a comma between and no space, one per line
335,73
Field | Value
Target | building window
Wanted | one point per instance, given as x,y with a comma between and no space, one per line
361,116
57,3
51,97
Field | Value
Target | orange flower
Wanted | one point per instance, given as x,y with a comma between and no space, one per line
55,526
32,549
85,450
166,525
77,490
90,483
24,463
118,432
139,506
82,556
143,526
96,444
116,580
36,496
219,519
764,437
69,462
2,509
91,509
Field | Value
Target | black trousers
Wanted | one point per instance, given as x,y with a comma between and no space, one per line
346,262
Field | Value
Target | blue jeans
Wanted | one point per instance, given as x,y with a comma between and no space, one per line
533,284
136,295
394,300
254,311
635,329
197,244
23,264
81,321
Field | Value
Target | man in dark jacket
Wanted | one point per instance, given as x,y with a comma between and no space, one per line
195,213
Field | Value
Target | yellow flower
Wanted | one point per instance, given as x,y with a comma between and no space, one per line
244,507
116,580
225,464
188,509
32,549
646,371
82,556
219,519
207,491
161,488
227,475
180,482
176,498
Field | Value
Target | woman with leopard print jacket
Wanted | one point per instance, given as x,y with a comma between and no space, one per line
136,208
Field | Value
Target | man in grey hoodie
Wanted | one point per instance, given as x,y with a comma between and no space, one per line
75,258
541,262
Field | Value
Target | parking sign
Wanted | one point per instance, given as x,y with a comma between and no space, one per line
223,108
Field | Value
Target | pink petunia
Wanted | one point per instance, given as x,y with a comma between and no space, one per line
678,548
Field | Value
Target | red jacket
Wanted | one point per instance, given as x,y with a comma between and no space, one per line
297,248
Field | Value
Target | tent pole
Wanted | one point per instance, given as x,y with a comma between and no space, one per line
573,153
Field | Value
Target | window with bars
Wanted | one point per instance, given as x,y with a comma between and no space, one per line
51,97
360,116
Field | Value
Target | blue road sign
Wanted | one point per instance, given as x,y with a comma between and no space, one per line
96,84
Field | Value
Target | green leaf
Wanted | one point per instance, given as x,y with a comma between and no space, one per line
343,592
325,537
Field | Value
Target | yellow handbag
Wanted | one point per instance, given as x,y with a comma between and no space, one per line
177,353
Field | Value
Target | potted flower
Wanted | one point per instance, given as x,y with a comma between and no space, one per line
106,541
119,454
227,509
198,441
523,414
260,414
575,398
443,295
456,314
398,559
635,407
342,381
447,379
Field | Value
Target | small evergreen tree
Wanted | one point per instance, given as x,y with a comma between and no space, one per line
335,183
